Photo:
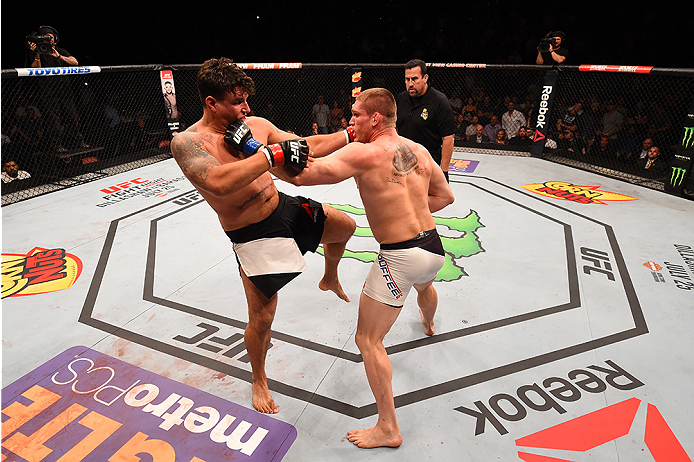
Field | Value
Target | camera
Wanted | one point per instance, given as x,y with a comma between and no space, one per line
43,43
545,44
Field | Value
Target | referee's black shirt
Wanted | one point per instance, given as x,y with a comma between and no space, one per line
425,119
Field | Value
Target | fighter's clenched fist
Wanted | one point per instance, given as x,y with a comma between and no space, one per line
292,153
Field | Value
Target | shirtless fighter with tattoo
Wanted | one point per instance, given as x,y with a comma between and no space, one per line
400,186
228,157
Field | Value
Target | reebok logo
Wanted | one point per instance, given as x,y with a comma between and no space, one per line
602,426
548,396
544,107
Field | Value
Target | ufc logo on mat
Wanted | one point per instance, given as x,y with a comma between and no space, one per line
597,428
216,344
597,257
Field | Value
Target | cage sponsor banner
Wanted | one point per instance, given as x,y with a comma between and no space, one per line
681,164
459,65
49,71
575,193
356,83
541,117
39,271
270,65
169,94
88,406
615,68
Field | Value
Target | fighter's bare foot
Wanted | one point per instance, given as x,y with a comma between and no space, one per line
262,401
428,326
374,437
334,286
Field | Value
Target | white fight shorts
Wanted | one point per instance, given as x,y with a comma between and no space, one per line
399,266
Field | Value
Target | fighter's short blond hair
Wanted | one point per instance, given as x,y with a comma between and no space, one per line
379,100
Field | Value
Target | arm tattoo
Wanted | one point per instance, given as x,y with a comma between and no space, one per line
404,159
195,161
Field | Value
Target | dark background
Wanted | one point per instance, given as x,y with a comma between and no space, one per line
649,33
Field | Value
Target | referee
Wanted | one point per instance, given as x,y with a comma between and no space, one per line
425,115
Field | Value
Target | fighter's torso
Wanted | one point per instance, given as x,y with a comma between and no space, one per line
395,191
251,203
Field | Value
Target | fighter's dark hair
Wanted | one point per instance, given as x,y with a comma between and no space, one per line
218,77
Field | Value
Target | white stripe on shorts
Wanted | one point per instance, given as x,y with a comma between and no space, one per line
270,256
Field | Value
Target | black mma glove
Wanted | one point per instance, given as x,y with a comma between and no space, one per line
292,153
238,135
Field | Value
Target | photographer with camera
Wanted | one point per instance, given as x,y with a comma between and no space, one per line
62,119
46,54
550,50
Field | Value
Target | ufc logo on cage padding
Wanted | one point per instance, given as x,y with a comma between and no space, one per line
599,427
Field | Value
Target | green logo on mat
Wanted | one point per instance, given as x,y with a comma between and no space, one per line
465,244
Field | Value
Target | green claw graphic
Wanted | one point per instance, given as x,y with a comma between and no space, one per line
465,245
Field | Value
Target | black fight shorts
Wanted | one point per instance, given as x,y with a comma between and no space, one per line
271,251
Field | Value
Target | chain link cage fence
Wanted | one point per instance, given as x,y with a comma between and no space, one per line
75,125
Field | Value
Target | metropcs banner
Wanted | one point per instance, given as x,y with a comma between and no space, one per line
83,405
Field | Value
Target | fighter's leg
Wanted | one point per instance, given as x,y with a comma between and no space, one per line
375,320
427,299
338,229
261,312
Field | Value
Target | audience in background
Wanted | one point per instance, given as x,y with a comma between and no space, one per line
320,113
456,102
336,113
646,145
512,120
501,137
571,144
460,127
11,172
659,123
653,162
602,147
479,136
471,129
612,121
492,128
521,140
607,129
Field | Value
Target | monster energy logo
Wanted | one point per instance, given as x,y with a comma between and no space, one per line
677,176
688,139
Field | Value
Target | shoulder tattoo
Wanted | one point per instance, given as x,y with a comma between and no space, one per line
404,159
192,156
